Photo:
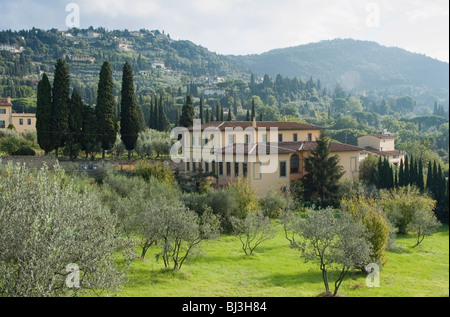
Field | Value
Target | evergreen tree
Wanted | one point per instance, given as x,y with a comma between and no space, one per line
207,115
187,113
44,115
217,111
401,175
221,113
420,183
104,110
247,118
164,124
406,173
323,172
89,137
141,119
60,104
253,110
430,180
229,115
129,125
76,107
177,119
202,118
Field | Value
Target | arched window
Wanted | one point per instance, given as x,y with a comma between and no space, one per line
295,162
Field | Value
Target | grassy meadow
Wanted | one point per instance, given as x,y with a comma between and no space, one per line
221,269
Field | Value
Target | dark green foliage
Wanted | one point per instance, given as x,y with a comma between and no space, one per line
44,114
105,110
129,122
253,110
89,139
323,173
187,112
76,107
60,104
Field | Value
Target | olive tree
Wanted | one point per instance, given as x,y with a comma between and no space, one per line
338,243
252,231
49,224
423,224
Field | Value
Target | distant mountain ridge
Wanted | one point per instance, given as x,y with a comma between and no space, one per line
356,65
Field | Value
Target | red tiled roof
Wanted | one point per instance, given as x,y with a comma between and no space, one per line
259,124
284,148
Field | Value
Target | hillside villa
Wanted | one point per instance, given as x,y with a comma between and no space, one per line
267,154
381,145
22,122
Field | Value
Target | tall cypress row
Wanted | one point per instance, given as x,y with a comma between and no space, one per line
129,122
187,113
44,115
104,110
60,104
401,175
76,107
202,118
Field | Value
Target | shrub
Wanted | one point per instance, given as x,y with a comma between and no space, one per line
273,203
25,150
160,171
373,218
401,205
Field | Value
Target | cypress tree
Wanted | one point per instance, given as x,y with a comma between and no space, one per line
401,175
218,111
229,115
247,118
104,110
430,180
129,125
221,113
187,113
164,124
177,119
381,174
202,118
253,110
141,119
89,137
207,115
420,182
406,172
60,104
76,106
44,115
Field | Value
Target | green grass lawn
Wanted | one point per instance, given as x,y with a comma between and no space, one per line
276,270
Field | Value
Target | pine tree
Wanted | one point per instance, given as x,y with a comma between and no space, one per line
44,115
104,110
187,113
60,104
323,172
129,125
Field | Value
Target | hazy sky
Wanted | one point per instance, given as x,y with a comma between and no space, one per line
252,26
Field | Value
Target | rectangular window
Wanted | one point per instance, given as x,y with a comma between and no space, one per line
188,166
21,121
230,139
220,168
29,121
194,166
2,124
280,137
264,138
213,165
228,169
353,165
247,138
245,169
295,137
236,169
206,167
283,169
257,171
193,140
2,111
309,137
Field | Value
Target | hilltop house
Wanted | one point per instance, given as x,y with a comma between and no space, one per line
23,122
381,145
266,157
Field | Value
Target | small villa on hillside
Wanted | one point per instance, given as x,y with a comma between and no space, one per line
381,145
267,154
22,122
